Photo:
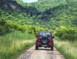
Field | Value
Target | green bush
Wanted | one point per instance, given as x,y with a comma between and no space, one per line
32,29
66,33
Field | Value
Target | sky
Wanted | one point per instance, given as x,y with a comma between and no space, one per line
29,1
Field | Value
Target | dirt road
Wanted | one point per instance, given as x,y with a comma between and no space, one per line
42,53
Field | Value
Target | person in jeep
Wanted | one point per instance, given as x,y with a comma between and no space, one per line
44,39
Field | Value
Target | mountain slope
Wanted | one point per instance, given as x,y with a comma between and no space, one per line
54,15
66,14
63,14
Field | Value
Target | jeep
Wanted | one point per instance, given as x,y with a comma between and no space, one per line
44,39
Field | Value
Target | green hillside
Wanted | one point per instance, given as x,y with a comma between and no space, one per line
50,14
54,13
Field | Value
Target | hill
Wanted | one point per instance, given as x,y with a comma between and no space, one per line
16,17
55,13
50,14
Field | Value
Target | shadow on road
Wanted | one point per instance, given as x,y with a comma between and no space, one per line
46,49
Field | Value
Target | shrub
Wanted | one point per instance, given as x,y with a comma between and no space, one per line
66,33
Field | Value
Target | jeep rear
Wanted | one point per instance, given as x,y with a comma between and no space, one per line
44,39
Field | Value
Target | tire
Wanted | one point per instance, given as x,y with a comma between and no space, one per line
36,47
52,48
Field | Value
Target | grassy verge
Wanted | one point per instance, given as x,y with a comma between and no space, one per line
67,48
17,35
13,44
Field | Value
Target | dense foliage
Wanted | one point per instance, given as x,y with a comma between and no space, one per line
28,17
66,33
54,13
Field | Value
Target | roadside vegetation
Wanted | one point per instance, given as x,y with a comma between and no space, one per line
66,41
67,49
13,44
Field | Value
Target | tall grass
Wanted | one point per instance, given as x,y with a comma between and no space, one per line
67,48
11,45
19,35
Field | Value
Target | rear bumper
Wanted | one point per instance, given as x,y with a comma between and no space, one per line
42,45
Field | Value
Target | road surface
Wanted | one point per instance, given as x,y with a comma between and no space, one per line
42,53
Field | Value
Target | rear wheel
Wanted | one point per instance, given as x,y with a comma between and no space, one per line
52,48
36,47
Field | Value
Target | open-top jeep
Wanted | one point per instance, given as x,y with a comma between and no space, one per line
44,39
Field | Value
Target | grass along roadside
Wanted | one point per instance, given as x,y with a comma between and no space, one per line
68,49
18,35
11,47
13,50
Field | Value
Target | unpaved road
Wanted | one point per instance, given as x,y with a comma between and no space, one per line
42,53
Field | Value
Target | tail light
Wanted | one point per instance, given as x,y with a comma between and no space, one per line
50,40
38,40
